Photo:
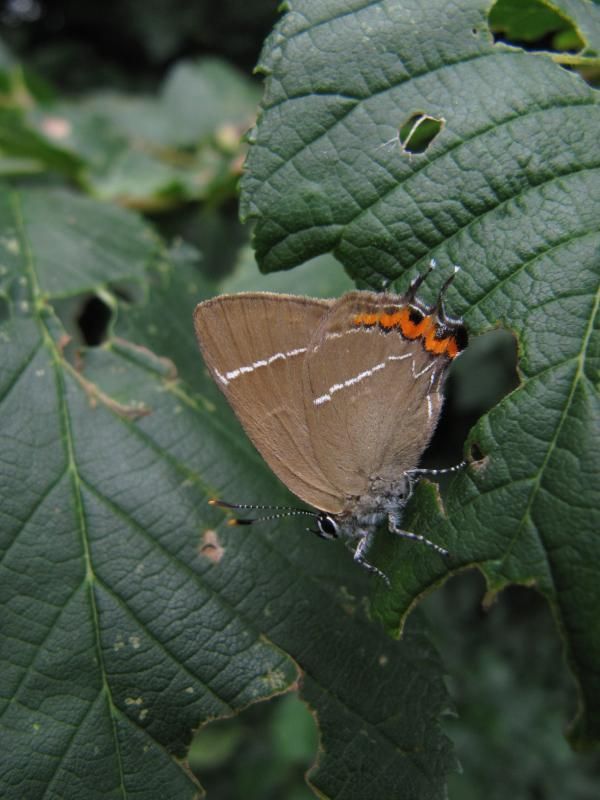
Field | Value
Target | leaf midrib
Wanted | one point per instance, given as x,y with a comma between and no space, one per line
36,295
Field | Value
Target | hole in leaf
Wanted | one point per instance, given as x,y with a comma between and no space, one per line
266,748
93,321
418,132
533,25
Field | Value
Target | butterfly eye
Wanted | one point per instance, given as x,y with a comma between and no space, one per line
327,527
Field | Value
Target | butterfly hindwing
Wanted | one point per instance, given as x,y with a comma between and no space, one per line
372,396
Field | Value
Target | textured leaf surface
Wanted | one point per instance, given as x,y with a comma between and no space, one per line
131,612
113,647
510,190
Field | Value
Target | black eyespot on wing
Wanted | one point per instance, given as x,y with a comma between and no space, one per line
443,331
461,337
415,315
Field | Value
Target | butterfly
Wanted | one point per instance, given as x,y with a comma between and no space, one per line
339,396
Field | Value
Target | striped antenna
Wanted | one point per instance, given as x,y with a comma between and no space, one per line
285,511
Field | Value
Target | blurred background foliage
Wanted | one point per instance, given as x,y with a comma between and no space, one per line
146,105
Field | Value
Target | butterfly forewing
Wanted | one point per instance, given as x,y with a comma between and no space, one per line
254,345
372,397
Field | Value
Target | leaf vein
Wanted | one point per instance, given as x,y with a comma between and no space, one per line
537,480
70,456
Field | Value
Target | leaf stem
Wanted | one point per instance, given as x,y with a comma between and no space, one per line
567,59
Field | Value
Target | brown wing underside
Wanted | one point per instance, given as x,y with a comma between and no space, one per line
372,399
254,345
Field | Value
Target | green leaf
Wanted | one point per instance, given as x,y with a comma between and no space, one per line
149,151
567,24
509,189
79,245
132,612
26,151
527,21
113,647
195,100
586,21
326,171
143,151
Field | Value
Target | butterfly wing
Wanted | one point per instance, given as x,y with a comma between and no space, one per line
372,397
254,344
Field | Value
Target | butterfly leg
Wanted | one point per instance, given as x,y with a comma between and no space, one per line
359,556
394,527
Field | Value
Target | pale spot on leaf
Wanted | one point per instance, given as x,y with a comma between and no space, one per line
275,680
210,547
134,701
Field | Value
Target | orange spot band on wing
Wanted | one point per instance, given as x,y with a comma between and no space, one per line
365,319
452,349
414,330
446,346
425,329
389,321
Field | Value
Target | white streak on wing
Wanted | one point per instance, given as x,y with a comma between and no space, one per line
429,407
339,334
263,362
350,382
400,358
423,371
325,398
336,387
